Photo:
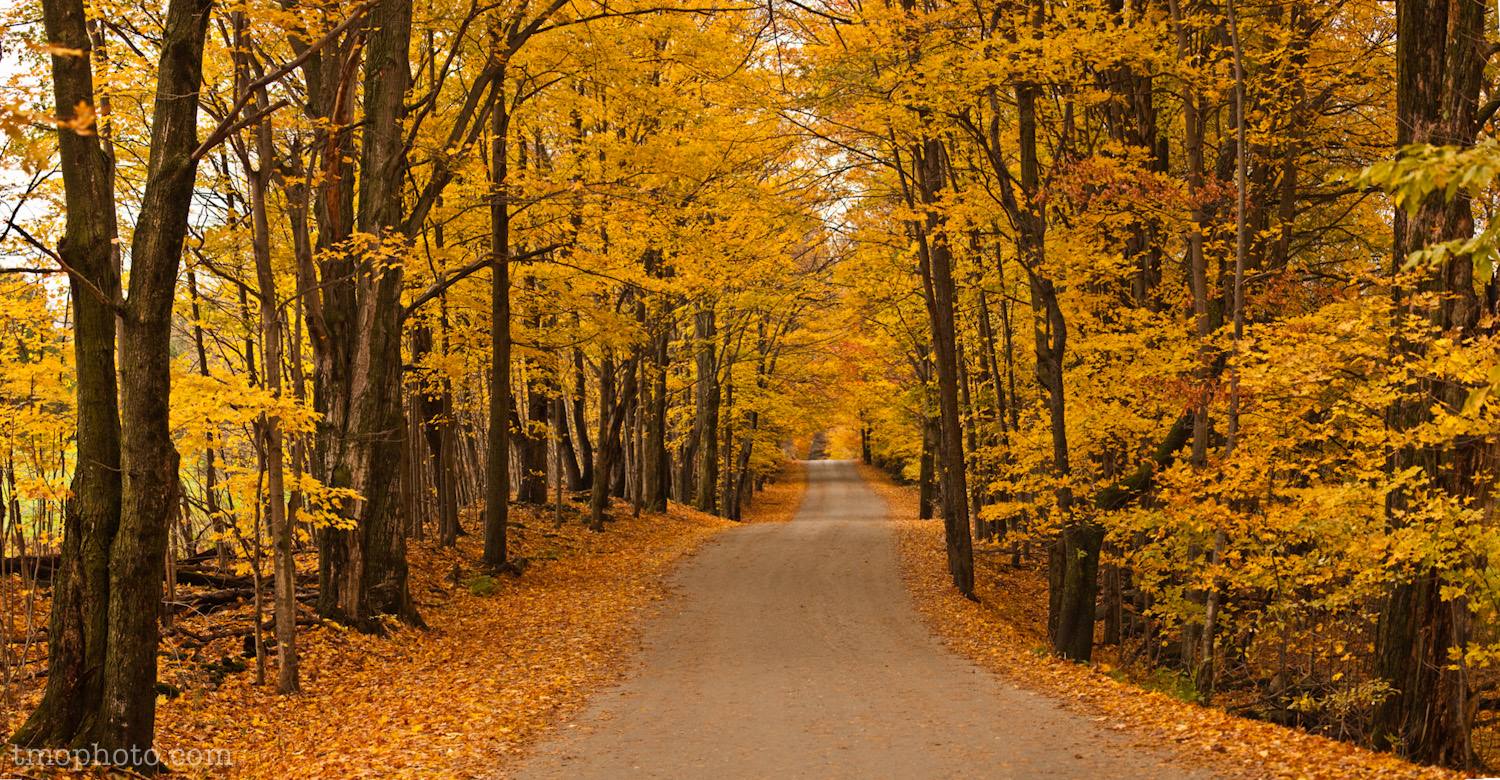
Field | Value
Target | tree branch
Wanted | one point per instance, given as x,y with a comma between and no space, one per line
229,123
440,287
117,305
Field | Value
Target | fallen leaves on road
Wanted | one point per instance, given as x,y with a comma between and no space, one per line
780,500
993,633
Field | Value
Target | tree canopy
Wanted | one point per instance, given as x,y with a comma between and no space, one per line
1189,304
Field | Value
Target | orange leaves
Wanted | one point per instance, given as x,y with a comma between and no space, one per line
1003,634
454,701
779,502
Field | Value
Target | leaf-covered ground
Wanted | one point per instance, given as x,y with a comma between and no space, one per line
780,500
454,700
503,658
1003,633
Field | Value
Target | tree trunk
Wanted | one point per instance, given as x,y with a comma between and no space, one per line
148,458
362,570
210,473
656,463
613,407
78,628
534,432
1440,55
533,486
936,259
284,565
436,409
497,479
1078,545
926,467
580,426
707,420
569,466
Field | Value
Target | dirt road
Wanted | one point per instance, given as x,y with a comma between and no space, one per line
792,650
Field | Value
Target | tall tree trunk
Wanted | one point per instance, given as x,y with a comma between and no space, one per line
656,462
740,491
726,449
78,628
687,457
148,458
569,467
1440,55
284,565
1207,672
435,408
936,258
1207,318
497,479
1074,562
362,571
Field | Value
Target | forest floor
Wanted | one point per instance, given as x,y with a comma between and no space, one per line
501,660
794,650
1005,632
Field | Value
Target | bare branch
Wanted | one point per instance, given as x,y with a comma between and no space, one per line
84,281
229,123
439,287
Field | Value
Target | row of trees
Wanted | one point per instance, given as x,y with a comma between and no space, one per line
1155,318
341,276
1185,297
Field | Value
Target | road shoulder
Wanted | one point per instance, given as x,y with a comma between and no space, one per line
1200,737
